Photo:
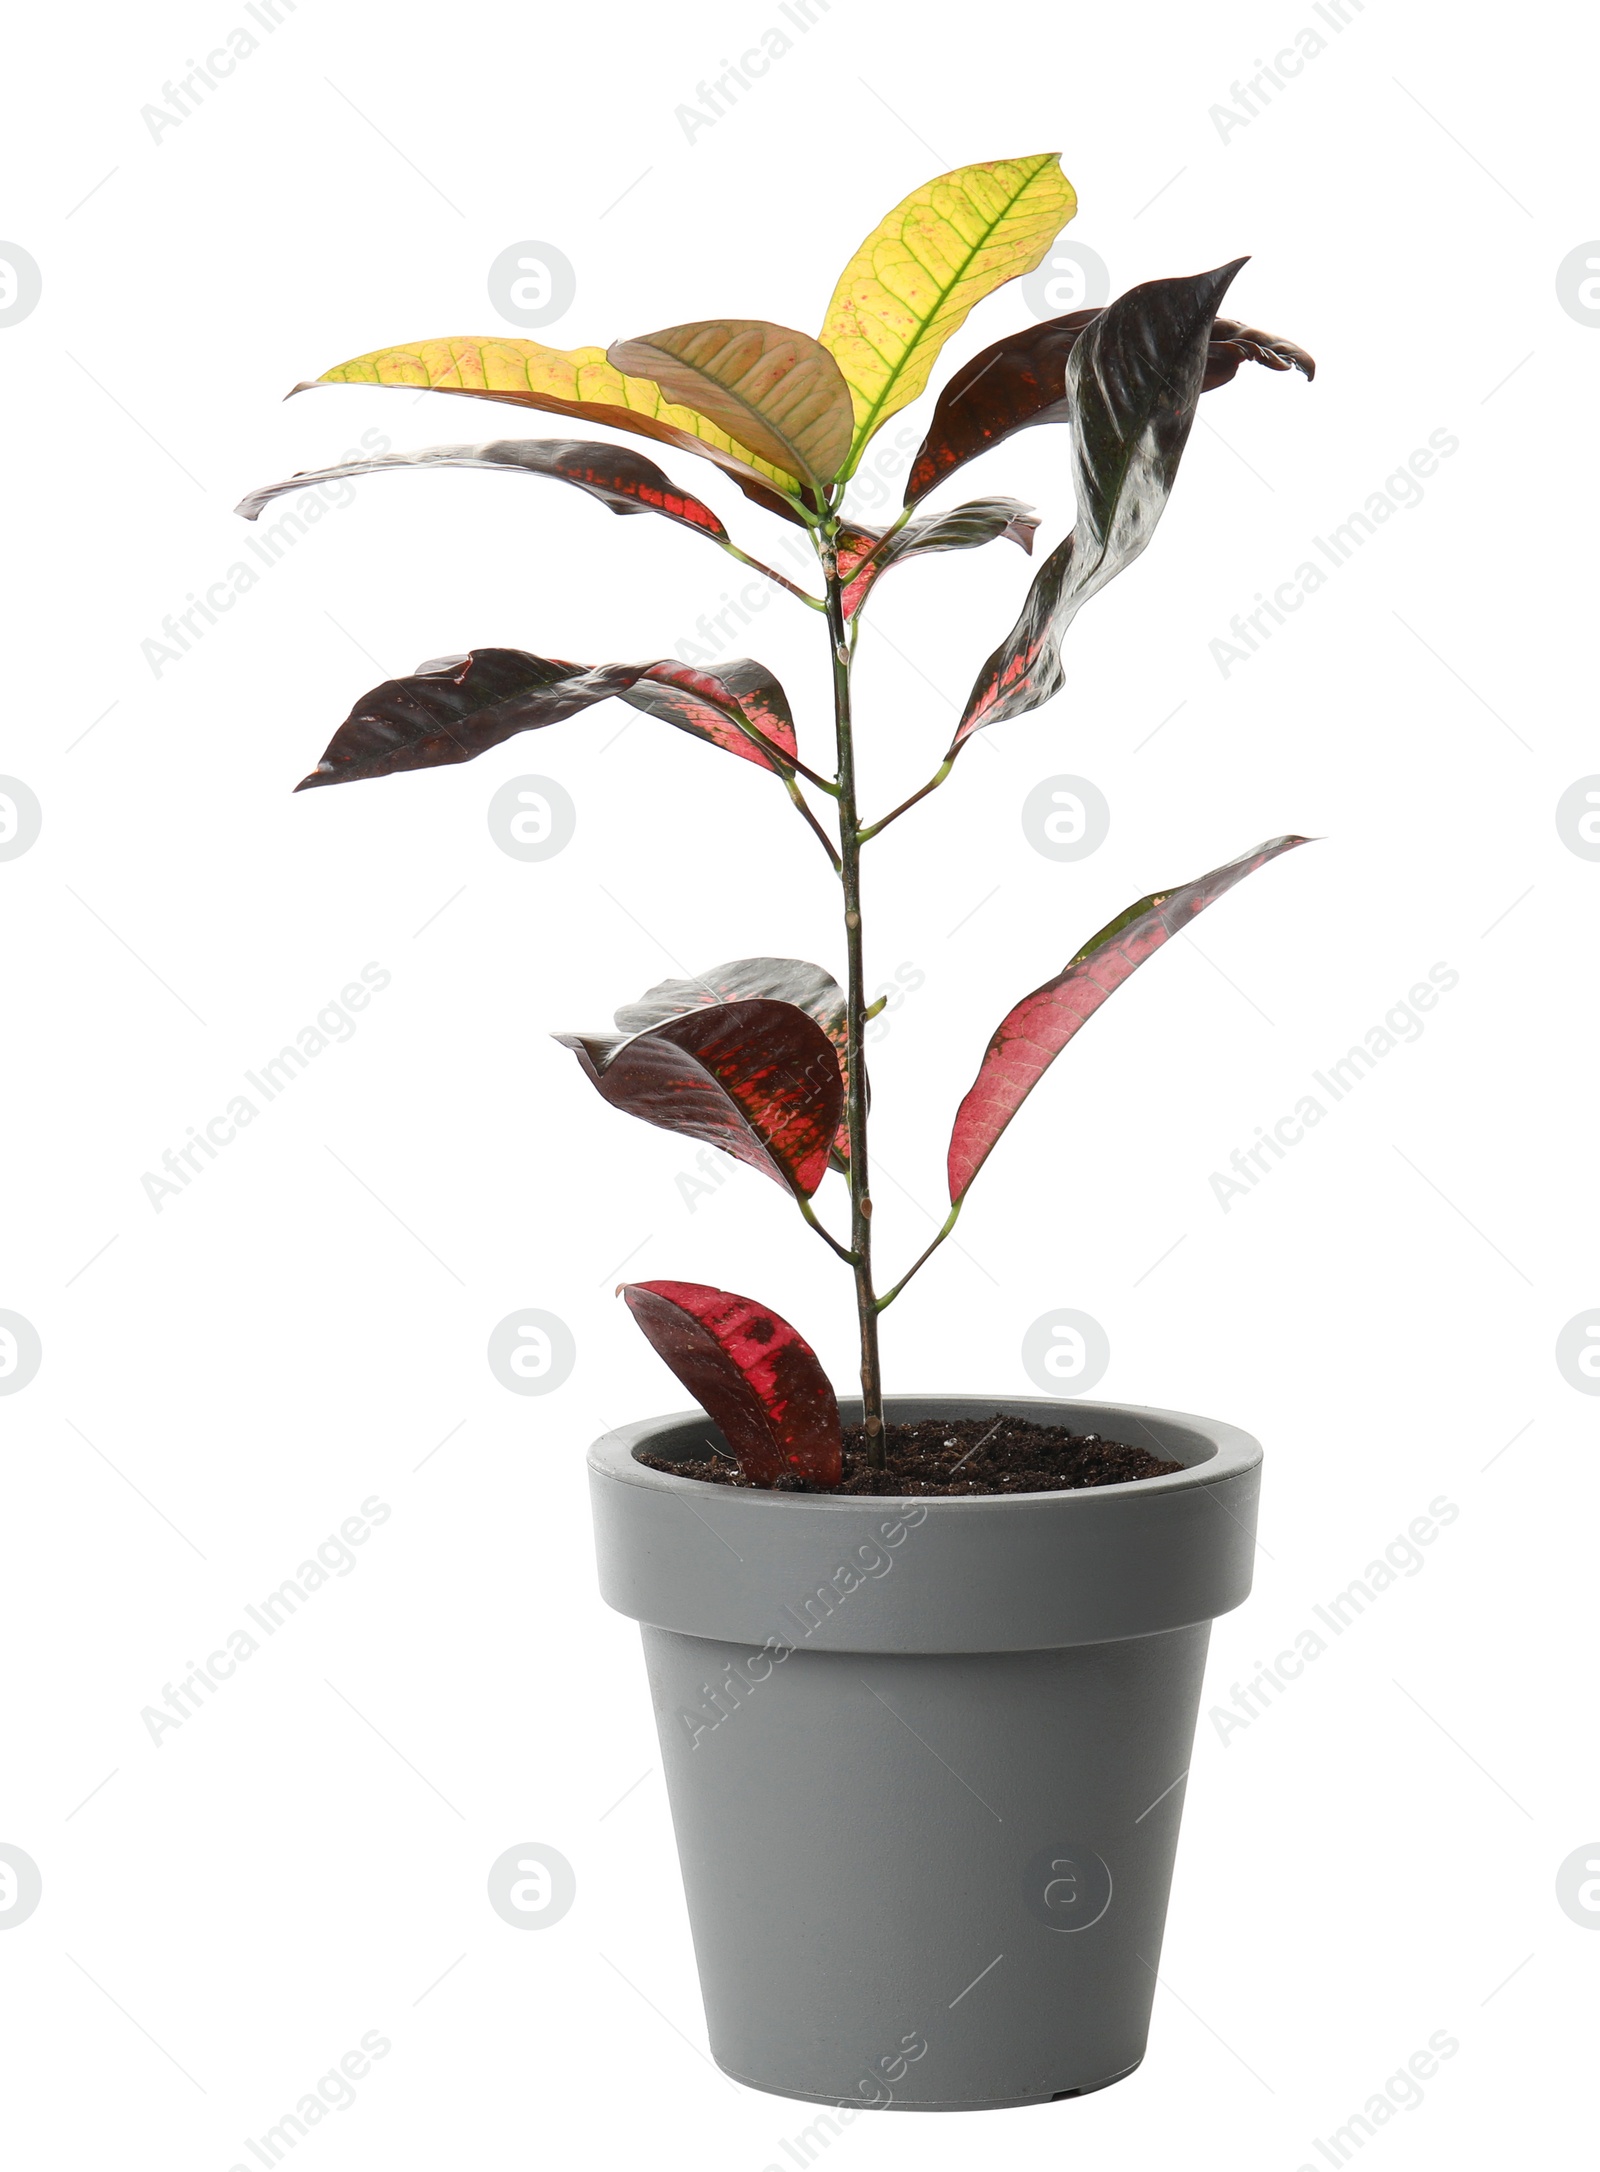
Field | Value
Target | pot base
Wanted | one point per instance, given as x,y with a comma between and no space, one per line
933,2104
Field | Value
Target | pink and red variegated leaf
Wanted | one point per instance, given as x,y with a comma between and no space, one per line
455,708
618,476
754,1375
724,707
758,1079
783,980
1032,1034
864,554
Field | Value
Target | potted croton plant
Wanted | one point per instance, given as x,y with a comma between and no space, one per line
926,1668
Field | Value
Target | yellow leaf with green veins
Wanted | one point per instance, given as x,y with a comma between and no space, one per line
916,276
579,381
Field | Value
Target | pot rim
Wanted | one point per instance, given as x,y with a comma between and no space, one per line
1209,1449
984,1572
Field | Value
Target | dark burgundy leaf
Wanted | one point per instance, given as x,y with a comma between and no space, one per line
458,707
963,528
1233,343
784,980
754,1375
758,1079
1133,383
1022,380
618,476
1032,1034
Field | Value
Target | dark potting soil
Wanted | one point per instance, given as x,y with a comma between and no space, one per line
958,1456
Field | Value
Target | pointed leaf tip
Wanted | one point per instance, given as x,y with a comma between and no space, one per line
1035,1031
924,267
1131,384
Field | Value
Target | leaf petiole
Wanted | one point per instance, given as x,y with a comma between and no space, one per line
822,836
827,1236
889,1296
771,573
874,829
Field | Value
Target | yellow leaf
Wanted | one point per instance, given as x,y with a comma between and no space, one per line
915,277
579,382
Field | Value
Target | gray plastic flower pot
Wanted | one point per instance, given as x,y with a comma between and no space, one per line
925,1758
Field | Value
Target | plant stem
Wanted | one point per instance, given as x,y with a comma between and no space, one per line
855,1007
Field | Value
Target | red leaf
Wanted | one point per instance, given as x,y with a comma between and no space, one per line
756,1377
1032,1035
784,980
758,1079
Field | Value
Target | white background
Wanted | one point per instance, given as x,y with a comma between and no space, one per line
228,1379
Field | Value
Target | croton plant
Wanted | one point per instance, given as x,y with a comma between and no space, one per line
764,1057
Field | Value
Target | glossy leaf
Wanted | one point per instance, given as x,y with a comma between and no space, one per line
1233,343
918,273
458,707
1032,1034
784,980
775,390
755,1376
1022,380
758,1079
1133,383
578,381
618,476
963,528
724,706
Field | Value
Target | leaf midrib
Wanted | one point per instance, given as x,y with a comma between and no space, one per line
869,421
